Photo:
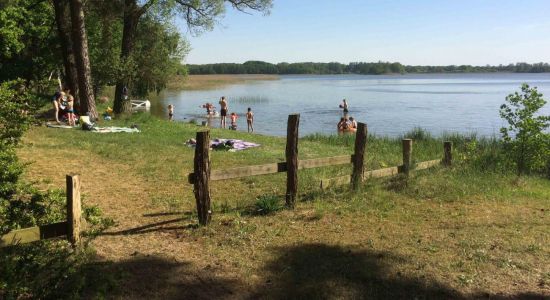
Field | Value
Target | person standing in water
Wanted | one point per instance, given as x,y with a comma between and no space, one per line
250,120
170,112
223,111
344,106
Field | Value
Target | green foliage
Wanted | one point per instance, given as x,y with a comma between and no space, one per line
525,139
28,43
267,204
45,269
10,170
51,270
16,106
158,52
31,207
15,109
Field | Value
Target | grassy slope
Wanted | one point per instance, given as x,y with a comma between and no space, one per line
439,233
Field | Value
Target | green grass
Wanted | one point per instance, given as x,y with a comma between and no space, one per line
474,229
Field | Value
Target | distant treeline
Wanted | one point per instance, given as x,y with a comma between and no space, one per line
378,68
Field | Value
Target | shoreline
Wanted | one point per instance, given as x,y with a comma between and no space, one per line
207,82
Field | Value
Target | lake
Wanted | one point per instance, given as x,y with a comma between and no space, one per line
391,105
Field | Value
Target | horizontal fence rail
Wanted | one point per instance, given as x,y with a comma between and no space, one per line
69,229
33,234
274,168
385,172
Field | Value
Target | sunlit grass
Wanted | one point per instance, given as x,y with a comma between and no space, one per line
473,227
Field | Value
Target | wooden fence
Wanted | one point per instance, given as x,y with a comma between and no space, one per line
70,228
203,174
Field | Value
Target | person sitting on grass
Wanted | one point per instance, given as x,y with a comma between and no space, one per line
233,121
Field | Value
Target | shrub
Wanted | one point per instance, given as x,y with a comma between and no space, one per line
267,204
525,140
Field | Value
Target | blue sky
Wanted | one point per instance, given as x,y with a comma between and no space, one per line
426,32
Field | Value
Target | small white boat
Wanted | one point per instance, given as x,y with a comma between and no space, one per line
140,104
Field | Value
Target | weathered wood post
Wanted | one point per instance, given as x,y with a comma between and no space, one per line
292,159
407,152
359,155
74,212
448,150
202,176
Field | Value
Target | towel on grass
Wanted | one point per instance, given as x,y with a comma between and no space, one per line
54,125
114,129
231,145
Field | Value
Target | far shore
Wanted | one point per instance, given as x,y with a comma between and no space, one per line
205,82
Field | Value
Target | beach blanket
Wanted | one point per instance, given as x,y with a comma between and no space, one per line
54,125
114,129
231,145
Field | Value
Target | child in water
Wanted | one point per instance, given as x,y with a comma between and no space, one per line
170,112
233,121
250,120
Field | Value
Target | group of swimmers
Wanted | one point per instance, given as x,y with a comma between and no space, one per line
63,104
346,124
224,109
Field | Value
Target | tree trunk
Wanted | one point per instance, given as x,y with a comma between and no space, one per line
64,32
132,13
80,45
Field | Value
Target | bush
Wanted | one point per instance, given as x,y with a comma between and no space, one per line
525,140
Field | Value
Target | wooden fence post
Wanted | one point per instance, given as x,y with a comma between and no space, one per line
292,159
73,209
407,151
448,158
202,176
359,155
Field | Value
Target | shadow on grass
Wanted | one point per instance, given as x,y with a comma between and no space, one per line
150,277
318,271
158,226
310,271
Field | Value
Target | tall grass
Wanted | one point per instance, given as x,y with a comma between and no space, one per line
481,153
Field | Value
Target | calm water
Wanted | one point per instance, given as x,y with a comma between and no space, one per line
390,105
